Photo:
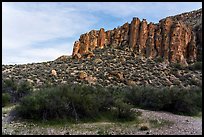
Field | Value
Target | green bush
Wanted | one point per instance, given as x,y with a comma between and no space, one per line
123,110
187,101
16,90
81,102
196,66
176,100
159,59
148,97
8,85
5,99
24,88
177,66
74,102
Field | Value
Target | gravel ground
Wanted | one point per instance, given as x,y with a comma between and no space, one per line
177,125
183,125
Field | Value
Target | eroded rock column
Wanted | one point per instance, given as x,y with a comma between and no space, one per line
134,33
76,48
143,37
93,38
150,50
101,38
166,28
84,43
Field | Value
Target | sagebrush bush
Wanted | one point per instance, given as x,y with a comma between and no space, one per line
176,100
196,66
187,101
159,59
8,85
123,110
76,102
81,102
5,99
16,90
177,66
23,89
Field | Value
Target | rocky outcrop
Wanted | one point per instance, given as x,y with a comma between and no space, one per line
193,19
76,48
174,39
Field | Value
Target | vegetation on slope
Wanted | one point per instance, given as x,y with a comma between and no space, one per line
81,102
75,102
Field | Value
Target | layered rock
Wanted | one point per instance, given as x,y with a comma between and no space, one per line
172,39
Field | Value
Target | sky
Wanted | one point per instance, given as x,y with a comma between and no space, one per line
35,32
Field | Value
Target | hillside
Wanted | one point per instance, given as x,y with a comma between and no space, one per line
109,66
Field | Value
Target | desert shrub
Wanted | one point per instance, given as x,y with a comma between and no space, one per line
176,100
154,98
81,102
24,88
104,97
193,81
186,101
148,97
74,102
8,85
16,90
177,66
196,66
159,59
123,110
5,99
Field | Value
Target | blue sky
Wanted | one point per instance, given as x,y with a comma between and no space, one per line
38,32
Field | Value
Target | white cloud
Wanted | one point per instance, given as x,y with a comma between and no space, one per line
42,25
24,28
139,9
31,55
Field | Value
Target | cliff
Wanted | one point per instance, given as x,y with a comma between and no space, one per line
176,39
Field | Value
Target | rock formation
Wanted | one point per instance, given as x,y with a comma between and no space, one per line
175,39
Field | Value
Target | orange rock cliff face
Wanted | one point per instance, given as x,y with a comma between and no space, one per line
172,39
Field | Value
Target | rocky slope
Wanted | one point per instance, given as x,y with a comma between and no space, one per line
175,39
109,66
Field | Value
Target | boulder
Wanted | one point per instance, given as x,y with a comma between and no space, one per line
91,80
54,72
82,75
